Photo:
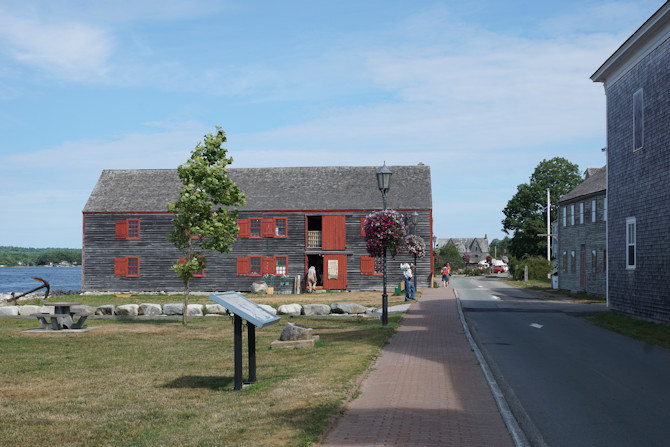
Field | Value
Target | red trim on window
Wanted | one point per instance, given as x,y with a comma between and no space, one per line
281,265
367,265
245,230
267,265
363,219
133,266
242,266
255,266
267,227
120,267
280,229
121,229
133,229
255,228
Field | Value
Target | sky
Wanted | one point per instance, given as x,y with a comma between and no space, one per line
481,91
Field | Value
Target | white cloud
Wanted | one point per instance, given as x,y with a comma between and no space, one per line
68,49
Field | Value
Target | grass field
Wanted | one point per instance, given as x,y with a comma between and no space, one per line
157,382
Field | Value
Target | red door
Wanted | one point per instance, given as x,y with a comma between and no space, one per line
335,272
333,233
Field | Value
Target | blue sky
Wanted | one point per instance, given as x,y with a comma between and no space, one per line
481,91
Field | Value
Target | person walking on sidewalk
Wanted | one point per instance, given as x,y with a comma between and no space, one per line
445,274
409,287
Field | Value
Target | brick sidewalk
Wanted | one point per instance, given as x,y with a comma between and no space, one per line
426,388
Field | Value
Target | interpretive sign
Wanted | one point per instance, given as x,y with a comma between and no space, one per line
256,316
245,308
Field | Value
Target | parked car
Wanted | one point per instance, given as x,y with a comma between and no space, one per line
497,269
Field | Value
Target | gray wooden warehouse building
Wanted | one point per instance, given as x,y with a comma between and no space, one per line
294,218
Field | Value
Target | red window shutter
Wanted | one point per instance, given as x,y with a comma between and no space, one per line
267,227
242,266
367,265
121,229
268,265
120,267
333,233
363,226
245,228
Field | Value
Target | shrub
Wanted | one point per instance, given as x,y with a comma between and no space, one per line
538,267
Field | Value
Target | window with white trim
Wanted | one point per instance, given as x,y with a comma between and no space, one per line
631,243
573,262
593,210
572,214
581,213
565,217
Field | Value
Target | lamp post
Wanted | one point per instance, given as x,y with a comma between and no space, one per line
415,221
384,181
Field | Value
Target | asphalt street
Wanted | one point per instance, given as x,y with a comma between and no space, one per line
568,382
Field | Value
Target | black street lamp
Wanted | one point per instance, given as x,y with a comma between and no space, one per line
384,181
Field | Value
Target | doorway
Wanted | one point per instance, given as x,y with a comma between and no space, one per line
317,262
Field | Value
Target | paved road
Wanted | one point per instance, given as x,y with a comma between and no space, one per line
569,383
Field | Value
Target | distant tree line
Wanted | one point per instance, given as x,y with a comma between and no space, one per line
17,256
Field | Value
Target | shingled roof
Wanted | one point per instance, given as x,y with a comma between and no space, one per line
596,183
270,189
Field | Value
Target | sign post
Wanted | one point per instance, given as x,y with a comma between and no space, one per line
256,316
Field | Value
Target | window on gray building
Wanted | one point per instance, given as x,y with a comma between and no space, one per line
593,211
638,120
573,262
630,243
565,217
594,261
572,214
581,213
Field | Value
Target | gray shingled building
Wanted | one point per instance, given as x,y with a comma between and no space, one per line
636,78
582,249
294,218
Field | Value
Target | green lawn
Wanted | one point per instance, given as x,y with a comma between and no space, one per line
157,382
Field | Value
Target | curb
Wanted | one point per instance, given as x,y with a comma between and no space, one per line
515,431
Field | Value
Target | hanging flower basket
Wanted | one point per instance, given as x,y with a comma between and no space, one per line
415,245
384,229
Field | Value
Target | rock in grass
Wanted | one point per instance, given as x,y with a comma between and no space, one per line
289,309
150,309
293,332
315,309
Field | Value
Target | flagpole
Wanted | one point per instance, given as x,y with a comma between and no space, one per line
548,226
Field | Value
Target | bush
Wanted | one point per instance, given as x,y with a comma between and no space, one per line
475,272
538,268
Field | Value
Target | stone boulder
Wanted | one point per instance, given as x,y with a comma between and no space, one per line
259,287
289,309
293,332
315,309
150,309
215,309
83,309
127,310
269,308
28,310
347,308
9,311
194,310
173,309
107,309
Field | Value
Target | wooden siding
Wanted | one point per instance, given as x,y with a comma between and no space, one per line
157,255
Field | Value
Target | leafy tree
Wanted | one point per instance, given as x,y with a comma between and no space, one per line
525,212
448,253
202,218
499,248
